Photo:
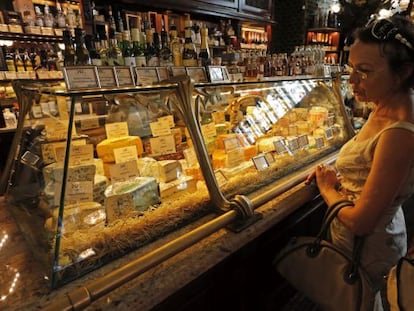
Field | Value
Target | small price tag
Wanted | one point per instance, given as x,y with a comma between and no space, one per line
303,141
260,162
79,191
209,130
146,75
124,76
88,124
125,154
319,142
281,147
220,177
167,120
81,77
293,144
123,171
160,128
231,144
329,133
106,75
235,157
190,157
116,130
81,154
162,145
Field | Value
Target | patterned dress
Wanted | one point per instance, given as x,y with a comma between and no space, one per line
383,247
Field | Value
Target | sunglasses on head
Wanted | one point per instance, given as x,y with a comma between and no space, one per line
384,29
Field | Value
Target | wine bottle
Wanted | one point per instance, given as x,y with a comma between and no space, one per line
176,48
82,56
151,52
138,48
204,55
189,52
127,50
92,44
166,58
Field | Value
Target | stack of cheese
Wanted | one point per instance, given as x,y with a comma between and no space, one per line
105,149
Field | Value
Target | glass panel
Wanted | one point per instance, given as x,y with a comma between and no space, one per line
261,4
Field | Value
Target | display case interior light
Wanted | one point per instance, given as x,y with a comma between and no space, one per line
260,30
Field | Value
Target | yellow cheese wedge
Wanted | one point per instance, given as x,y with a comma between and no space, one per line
105,148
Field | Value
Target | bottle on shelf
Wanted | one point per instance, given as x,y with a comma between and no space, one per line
39,17
103,49
138,47
127,50
28,66
60,17
151,51
92,45
176,47
69,52
111,22
18,61
48,18
70,18
120,22
166,57
9,118
81,52
204,55
114,52
189,51
10,60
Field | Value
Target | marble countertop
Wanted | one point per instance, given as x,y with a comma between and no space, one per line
150,288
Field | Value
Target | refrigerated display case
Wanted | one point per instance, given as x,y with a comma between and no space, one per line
114,169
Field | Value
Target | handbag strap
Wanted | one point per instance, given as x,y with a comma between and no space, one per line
351,275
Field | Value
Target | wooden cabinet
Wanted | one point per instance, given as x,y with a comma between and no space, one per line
327,37
261,7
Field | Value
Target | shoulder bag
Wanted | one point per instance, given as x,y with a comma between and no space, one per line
328,276
400,285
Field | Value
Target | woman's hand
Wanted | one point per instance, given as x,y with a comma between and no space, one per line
327,181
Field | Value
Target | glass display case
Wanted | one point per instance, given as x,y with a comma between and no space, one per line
100,172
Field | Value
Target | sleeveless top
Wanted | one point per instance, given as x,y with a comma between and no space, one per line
388,242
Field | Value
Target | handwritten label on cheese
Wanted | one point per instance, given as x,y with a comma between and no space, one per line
123,171
190,156
76,191
209,130
56,151
160,128
88,124
116,130
162,145
168,120
231,144
81,154
235,157
126,154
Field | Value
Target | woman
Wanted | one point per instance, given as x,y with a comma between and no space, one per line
375,169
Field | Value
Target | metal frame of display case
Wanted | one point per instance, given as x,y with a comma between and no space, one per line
239,209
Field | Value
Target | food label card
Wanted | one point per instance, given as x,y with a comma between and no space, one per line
116,130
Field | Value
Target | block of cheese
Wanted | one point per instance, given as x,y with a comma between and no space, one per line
219,158
85,215
183,184
249,152
136,194
169,170
105,148
99,187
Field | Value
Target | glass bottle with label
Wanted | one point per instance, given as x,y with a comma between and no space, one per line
114,52
151,52
204,54
138,49
60,17
18,61
81,52
189,52
39,17
92,44
176,48
48,18
69,52
127,50
166,57
103,49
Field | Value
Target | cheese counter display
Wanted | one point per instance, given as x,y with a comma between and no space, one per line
117,168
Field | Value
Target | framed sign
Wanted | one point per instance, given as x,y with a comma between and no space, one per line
106,75
260,162
218,74
178,71
124,76
163,73
146,75
82,77
198,74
